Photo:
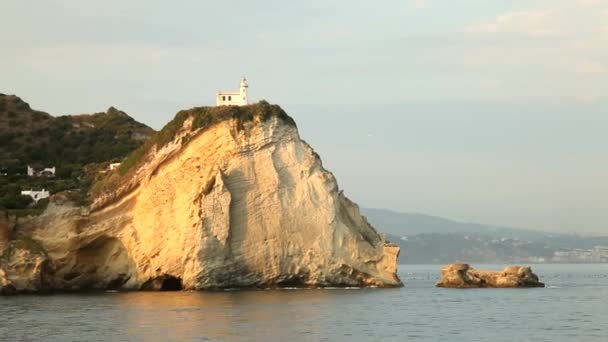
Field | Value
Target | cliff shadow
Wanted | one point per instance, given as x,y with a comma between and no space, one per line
102,264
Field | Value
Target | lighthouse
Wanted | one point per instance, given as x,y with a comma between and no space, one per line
233,98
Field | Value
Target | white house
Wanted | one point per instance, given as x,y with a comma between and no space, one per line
114,166
233,98
49,171
36,195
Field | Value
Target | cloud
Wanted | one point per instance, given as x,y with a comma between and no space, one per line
538,23
589,67
110,60
580,20
543,51
587,3
418,4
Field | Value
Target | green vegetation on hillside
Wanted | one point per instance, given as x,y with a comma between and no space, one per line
443,248
32,137
78,146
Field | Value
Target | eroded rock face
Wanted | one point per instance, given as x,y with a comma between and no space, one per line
6,287
22,260
463,276
5,231
238,205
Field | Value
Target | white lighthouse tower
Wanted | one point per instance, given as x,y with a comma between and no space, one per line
243,89
233,98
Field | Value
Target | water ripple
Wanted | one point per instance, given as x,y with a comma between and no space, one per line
573,307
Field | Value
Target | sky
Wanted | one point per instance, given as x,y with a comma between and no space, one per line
475,110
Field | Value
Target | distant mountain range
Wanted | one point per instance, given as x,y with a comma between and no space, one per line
432,239
397,223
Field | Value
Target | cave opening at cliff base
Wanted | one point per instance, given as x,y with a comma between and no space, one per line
171,283
165,282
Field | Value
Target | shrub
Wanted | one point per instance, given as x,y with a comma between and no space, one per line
11,201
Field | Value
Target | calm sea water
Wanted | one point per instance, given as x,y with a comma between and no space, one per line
574,307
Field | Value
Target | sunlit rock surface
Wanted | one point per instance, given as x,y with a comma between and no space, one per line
464,276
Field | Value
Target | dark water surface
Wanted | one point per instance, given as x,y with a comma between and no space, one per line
574,307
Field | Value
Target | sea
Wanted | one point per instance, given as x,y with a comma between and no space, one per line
572,307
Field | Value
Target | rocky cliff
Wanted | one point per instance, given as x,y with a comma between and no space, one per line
464,276
234,198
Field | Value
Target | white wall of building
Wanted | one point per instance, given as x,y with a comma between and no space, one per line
50,170
36,195
33,173
233,98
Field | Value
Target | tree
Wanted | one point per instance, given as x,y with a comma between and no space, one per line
15,201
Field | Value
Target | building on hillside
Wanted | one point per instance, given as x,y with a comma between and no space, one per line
597,254
47,172
36,195
236,98
114,166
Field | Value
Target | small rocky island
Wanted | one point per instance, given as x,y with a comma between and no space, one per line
463,276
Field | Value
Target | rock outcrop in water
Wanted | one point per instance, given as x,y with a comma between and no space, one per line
242,202
463,276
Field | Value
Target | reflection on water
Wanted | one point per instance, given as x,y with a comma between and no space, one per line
573,307
218,315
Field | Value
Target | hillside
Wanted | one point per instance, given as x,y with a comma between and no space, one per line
28,136
432,239
398,223
73,144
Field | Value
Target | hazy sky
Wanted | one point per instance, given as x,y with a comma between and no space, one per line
476,110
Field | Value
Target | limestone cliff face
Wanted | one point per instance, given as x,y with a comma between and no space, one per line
238,204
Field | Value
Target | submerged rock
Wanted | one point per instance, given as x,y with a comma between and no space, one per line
241,203
463,276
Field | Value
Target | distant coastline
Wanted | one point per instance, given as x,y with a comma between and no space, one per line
426,239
